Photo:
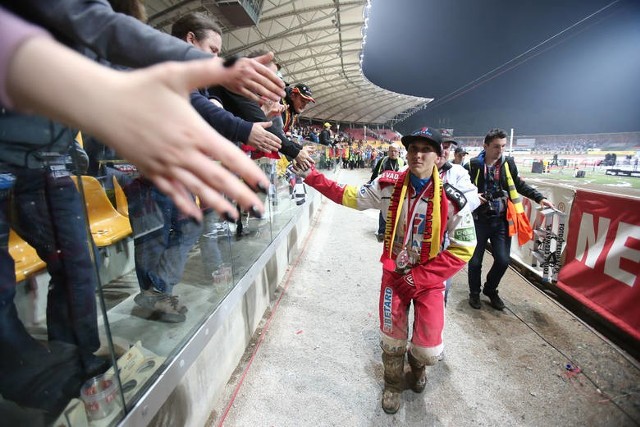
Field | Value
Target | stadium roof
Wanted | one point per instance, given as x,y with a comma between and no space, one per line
317,42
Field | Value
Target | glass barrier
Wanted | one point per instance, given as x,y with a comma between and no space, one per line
134,292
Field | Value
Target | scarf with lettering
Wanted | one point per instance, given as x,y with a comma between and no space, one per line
435,221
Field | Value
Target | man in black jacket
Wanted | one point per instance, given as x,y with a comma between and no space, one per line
391,162
251,111
325,135
496,177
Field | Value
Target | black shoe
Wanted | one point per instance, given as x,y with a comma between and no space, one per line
474,301
94,365
496,301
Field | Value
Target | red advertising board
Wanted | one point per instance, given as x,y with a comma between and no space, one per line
602,264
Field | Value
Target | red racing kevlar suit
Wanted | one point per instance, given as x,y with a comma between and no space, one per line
423,283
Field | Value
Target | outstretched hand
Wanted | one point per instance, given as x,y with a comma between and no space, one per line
300,169
263,140
251,78
173,146
304,158
146,116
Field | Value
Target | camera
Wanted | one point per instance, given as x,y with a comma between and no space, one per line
492,198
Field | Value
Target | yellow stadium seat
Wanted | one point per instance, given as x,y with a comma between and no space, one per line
122,205
107,225
25,257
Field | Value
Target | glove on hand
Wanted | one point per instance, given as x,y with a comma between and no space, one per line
405,287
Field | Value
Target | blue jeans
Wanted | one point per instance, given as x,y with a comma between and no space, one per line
163,236
382,223
16,343
209,248
496,230
48,213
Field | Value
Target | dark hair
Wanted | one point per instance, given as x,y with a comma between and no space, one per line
494,134
133,8
257,52
196,23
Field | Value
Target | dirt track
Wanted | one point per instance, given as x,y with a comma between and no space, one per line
319,364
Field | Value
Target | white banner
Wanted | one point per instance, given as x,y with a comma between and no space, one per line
562,198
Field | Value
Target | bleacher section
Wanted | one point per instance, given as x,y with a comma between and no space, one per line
107,225
570,144
372,134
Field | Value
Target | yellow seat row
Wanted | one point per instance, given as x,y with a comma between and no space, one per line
25,257
107,226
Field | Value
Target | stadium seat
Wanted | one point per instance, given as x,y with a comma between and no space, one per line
107,225
25,257
122,206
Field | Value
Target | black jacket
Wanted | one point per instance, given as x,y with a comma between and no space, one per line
231,127
250,111
325,137
476,171
93,28
93,24
386,164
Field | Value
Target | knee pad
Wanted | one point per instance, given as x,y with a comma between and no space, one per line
427,355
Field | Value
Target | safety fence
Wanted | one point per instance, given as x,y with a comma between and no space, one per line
590,250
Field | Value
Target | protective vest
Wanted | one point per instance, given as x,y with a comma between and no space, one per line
385,161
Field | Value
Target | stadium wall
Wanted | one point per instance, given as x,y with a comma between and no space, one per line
599,266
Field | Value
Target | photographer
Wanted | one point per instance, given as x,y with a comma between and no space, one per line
499,216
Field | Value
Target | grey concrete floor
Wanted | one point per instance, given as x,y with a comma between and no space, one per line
316,359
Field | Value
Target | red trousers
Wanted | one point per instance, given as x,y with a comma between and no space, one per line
428,321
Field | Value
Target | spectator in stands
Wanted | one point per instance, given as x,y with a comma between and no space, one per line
500,215
162,246
205,34
414,264
242,78
43,197
251,111
459,156
295,102
391,162
325,135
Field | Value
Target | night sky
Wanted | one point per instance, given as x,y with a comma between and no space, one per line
585,80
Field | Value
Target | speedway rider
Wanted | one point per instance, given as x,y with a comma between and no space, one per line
419,209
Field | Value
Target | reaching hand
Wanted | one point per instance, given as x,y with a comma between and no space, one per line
299,170
146,116
303,159
262,139
250,78
270,108
172,145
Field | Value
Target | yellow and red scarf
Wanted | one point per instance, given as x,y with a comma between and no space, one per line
435,226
